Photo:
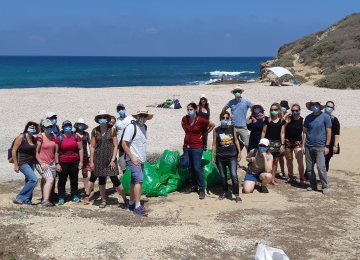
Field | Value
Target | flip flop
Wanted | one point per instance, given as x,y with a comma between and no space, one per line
103,204
274,183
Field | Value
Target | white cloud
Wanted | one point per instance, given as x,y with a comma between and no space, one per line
228,36
151,30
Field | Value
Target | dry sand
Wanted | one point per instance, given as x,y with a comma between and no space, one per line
306,225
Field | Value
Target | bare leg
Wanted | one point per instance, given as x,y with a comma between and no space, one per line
248,186
121,191
274,168
299,157
89,188
289,161
281,162
47,188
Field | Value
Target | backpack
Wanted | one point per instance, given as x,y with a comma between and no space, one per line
61,139
121,149
10,159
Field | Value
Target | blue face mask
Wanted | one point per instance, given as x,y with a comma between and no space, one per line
296,114
54,121
103,121
262,149
191,113
122,112
315,108
224,122
237,94
257,110
274,113
81,127
48,130
67,129
284,109
31,131
328,110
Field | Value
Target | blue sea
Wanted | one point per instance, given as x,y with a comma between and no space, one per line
96,72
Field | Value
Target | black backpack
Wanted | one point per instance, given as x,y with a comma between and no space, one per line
121,149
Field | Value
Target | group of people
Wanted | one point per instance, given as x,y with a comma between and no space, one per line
63,152
283,133
118,143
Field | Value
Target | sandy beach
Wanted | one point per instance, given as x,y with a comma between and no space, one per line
180,226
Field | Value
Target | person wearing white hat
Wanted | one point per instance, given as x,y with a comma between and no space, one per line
204,111
53,118
239,107
134,145
259,169
316,144
80,127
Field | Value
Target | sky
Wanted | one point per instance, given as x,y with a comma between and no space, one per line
226,28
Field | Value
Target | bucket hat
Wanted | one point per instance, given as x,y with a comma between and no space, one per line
102,112
143,110
81,121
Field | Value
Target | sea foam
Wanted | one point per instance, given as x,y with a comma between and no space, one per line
229,73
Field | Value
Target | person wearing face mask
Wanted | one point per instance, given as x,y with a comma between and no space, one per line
112,121
316,144
45,156
293,143
255,123
239,107
53,118
227,149
24,156
204,111
135,157
69,156
274,131
80,127
103,151
284,108
334,147
259,168
192,125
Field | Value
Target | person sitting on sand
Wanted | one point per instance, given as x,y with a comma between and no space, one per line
239,107
227,149
259,168
103,151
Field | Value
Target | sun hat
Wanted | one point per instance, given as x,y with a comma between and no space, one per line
46,123
204,96
80,121
259,106
313,101
264,141
66,122
102,112
50,114
143,110
120,105
238,88
284,103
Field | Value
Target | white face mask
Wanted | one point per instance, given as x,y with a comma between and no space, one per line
141,120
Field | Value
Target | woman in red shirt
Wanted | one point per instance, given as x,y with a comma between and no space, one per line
193,126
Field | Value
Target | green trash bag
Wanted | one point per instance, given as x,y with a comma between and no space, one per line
211,175
157,165
157,190
125,181
151,178
206,158
168,165
184,176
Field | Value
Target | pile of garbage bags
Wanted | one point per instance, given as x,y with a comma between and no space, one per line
165,175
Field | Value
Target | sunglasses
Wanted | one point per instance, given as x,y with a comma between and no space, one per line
294,111
262,145
274,109
329,106
237,91
53,117
102,117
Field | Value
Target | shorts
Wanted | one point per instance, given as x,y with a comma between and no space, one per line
275,148
49,173
292,144
243,133
137,175
252,177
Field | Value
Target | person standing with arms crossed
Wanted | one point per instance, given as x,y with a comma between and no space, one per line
134,145
239,107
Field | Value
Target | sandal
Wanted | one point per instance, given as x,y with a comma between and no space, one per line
273,182
47,203
290,179
86,200
103,204
264,189
16,201
238,199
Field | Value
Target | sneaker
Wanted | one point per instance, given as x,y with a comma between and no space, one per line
131,207
76,199
61,201
86,200
192,189
201,194
326,191
141,211
311,188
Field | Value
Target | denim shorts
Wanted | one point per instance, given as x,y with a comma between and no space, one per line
137,175
252,177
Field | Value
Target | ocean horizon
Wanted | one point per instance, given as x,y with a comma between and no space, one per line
110,71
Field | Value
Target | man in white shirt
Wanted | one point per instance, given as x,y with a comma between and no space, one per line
134,145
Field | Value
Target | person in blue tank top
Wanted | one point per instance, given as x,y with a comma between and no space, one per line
316,144
227,149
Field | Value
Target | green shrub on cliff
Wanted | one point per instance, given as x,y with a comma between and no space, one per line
285,61
347,77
